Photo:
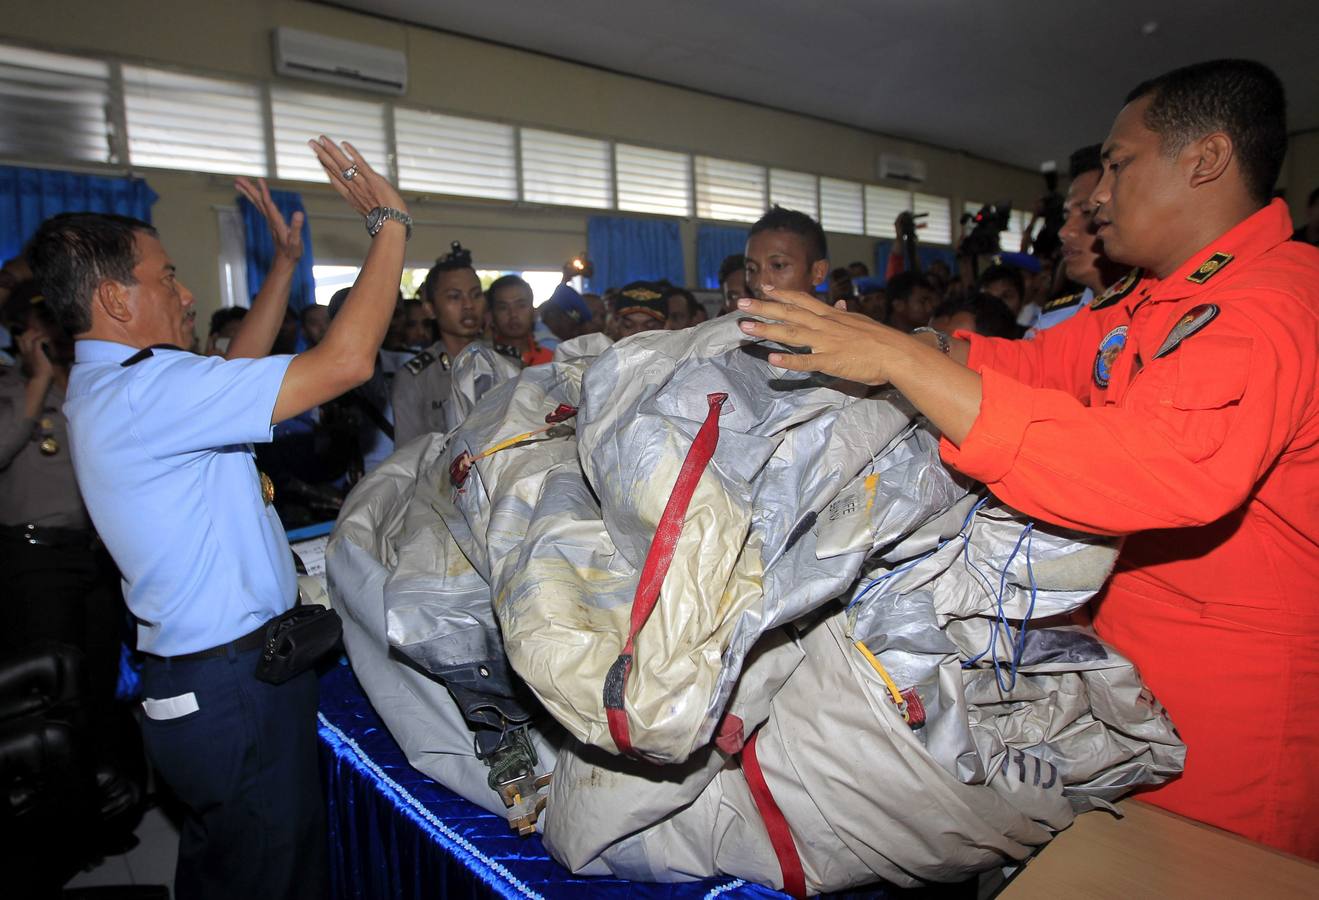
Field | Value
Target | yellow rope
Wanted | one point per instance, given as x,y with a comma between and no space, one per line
509,442
888,681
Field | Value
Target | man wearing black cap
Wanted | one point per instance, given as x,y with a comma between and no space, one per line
641,307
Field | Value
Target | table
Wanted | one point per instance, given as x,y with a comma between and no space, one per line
1153,853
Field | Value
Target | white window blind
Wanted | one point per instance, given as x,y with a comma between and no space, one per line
794,190
300,116
451,155
565,169
883,205
729,190
53,107
653,181
197,124
842,209
937,226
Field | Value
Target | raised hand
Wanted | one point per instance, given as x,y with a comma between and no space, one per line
31,344
353,178
287,235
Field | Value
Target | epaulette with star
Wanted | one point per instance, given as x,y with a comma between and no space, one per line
1114,294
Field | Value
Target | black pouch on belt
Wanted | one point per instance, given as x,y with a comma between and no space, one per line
295,640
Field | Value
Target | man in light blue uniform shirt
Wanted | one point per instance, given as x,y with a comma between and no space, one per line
162,447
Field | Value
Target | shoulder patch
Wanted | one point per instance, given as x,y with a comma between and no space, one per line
419,362
1210,267
1187,325
1114,294
1063,302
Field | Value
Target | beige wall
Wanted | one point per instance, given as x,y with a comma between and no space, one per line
459,75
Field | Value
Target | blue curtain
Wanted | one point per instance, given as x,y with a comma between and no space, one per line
30,196
714,244
624,250
925,254
261,248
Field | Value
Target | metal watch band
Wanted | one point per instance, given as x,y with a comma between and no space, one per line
382,213
945,345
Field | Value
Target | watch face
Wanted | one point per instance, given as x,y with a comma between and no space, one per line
374,219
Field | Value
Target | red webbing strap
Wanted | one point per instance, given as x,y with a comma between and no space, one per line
780,837
656,566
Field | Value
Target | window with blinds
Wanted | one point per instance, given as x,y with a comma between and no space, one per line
451,155
794,190
937,226
842,208
883,204
53,107
730,191
565,169
653,181
300,116
196,124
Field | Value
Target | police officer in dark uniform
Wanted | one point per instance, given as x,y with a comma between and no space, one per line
421,387
59,583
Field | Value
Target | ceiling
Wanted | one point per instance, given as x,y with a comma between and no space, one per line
1019,81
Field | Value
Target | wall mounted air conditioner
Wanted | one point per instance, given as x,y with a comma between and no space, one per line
901,168
304,54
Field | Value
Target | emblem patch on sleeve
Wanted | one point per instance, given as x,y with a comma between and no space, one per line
1210,267
1109,349
1195,319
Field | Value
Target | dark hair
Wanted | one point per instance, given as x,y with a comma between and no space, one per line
735,263
865,269
457,258
1314,195
61,342
502,282
71,255
995,274
222,317
693,305
1087,159
1242,98
904,284
992,316
798,223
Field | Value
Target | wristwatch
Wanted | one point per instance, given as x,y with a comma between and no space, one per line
375,220
945,345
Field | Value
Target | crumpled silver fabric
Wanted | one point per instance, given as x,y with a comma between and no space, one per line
535,557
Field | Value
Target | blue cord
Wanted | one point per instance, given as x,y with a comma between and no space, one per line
1000,617
908,566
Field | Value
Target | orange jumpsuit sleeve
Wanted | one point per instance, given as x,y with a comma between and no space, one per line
1193,434
1060,357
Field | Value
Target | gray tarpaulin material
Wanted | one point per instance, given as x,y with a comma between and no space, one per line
913,730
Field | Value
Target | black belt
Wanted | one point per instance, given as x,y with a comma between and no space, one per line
239,645
45,536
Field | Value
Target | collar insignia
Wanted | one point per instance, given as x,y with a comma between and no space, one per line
1187,325
1114,294
1209,268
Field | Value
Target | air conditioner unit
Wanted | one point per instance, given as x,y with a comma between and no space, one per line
304,54
901,168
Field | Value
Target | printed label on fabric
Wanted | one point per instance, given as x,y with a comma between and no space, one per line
170,707
1109,349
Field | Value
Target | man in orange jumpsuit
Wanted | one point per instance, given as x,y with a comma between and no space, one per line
1182,410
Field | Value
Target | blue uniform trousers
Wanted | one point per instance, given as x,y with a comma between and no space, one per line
245,766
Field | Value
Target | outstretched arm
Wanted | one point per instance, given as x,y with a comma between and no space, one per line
857,348
346,357
256,335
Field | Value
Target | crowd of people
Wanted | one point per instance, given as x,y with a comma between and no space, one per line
124,438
